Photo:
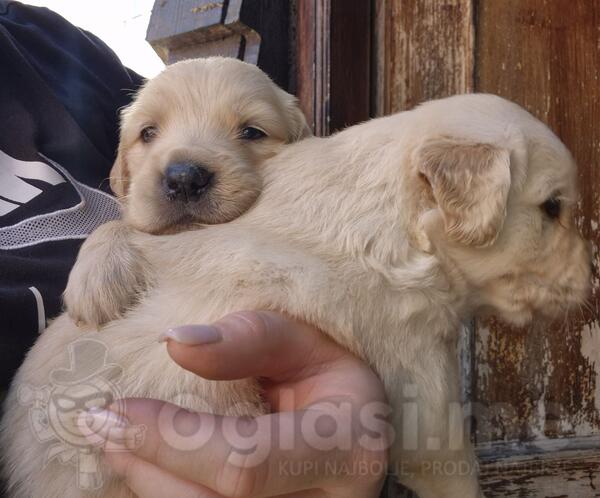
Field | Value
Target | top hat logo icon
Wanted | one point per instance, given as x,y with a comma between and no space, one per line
88,360
90,382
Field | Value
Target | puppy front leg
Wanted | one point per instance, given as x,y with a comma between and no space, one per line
108,276
432,453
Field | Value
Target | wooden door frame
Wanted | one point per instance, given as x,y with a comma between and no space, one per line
333,58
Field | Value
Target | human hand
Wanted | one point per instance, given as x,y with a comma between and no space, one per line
329,402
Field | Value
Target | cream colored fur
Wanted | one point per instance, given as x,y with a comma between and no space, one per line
385,236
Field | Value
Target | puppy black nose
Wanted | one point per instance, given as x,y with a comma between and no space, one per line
186,181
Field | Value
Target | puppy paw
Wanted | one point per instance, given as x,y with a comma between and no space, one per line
107,279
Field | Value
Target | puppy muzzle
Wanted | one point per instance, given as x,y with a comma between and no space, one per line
186,182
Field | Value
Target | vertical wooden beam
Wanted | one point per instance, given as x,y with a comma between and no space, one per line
379,53
312,62
350,59
333,62
424,51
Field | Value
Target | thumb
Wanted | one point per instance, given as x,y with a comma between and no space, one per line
251,344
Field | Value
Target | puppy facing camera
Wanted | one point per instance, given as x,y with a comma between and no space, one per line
193,140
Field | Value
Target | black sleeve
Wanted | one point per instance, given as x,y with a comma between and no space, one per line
61,89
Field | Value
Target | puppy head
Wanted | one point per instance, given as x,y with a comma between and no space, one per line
193,140
500,190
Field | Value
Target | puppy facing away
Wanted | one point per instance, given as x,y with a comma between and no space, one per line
190,154
385,235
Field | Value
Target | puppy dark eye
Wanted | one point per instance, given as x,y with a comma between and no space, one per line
551,207
251,133
148,134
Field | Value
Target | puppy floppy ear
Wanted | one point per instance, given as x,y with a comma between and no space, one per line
119,174
299,128
470,184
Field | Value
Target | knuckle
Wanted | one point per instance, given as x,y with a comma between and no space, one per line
256,323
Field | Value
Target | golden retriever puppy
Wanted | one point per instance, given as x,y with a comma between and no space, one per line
191,148
386,236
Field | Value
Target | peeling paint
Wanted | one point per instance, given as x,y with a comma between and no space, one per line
553,476
428,51
590,348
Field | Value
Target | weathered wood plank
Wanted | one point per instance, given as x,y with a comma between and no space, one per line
426,51
183,25
173,18
312,67
182,29
544,381
552,475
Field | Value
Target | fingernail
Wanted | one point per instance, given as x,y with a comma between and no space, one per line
192,335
